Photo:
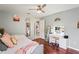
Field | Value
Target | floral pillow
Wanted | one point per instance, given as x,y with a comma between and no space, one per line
6,39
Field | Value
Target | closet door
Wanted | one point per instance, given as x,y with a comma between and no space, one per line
39,29
42,35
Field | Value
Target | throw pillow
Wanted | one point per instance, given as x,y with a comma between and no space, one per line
6,40
14,40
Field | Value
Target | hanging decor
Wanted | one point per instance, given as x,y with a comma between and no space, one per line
78,24
57,19
28,28
16,18
37,29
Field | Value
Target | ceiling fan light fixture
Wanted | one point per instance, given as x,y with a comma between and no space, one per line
39,11
39,8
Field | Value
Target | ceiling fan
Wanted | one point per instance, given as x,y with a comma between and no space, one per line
39,8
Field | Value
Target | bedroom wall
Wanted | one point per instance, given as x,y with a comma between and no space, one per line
69,20
9,25
12,27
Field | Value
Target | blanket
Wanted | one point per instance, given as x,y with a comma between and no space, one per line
27,49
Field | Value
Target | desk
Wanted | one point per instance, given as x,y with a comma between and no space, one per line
58,41
54,41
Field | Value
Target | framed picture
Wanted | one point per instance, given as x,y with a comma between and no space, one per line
57,29
78,24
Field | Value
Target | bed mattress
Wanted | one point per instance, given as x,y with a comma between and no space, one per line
22,41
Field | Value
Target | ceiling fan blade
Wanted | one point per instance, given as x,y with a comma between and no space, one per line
43,5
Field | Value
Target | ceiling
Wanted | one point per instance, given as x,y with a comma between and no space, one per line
23,8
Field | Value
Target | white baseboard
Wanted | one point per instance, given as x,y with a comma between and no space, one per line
74,48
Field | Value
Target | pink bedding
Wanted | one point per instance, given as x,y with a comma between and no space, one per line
25,49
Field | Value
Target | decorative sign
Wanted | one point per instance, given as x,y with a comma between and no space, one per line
16,18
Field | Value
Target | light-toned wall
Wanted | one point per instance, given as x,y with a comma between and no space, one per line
12,27
69,20
9,25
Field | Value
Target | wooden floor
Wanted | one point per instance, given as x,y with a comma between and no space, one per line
48,49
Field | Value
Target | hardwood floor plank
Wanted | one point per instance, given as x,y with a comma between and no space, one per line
49,49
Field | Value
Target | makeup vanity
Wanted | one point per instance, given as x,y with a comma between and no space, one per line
56,38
